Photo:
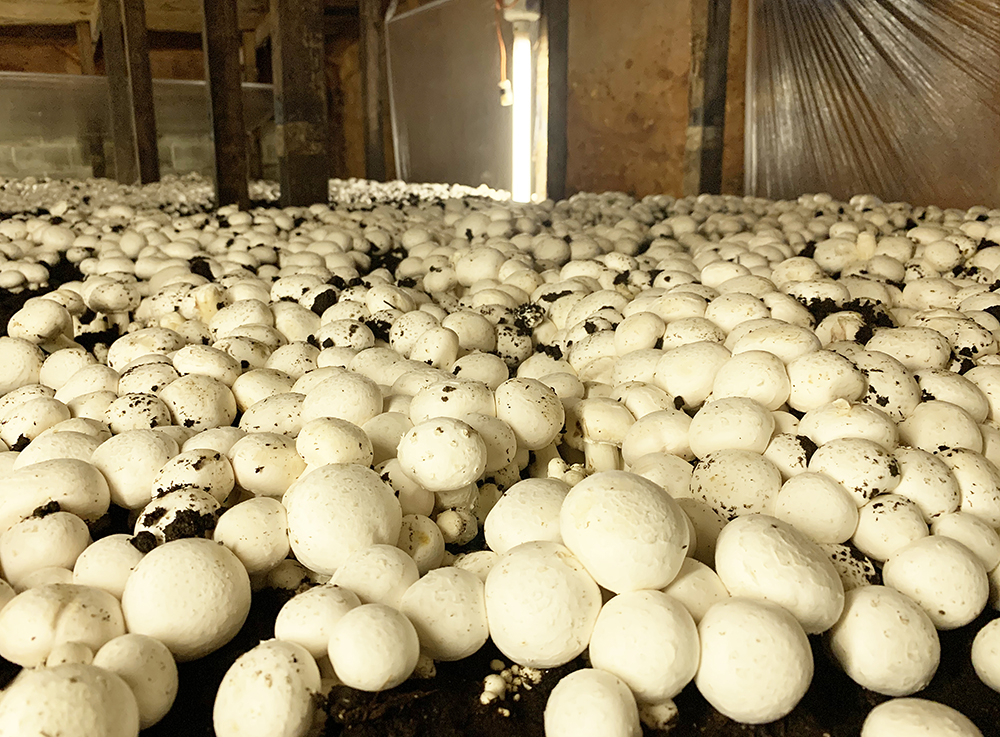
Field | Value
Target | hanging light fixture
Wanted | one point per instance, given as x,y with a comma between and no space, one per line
521,14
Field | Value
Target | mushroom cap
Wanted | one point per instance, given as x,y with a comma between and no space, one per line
541,604
533,411
373,647
633,624
187,512
191,594
73,700
40,542
76,485
107,563
697,587
820,377
256,530
347,395
885,642
733,423
307,618
148,667
986,655
378,574
205,469
527,511
265,463
447,606
756,663
130,461
442,454
943,576
973,533
627,531
756,375
818,506
268,692
927,481
591,703
761,557
735,482
935,423
336,510
912,717
887,523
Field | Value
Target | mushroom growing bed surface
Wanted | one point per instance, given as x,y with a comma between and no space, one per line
423,461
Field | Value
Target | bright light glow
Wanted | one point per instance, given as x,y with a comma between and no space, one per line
521,144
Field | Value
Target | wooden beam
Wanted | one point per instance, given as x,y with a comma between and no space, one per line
44,12
116,68
141,86
221,41
706,96
555,15
90,127
300,108
372,50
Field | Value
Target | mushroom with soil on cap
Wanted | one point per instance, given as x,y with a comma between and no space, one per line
42,541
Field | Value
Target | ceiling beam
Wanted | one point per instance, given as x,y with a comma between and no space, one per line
161,15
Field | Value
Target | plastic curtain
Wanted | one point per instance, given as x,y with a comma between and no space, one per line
898,98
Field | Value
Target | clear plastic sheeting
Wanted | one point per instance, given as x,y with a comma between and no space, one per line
899,98
447,121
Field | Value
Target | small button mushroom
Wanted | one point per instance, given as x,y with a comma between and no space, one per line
598,426
756,375
447,607
756,663
294,359
141,343
207,470
885,642
659,432
818,506
336,510
821,377
670,471
761,557
943,576
191,594
528,511
935,424
41,618
452,398
626,531
978,483
734,423
186,512
842,419
147,666
631,625
269,690
345,395
949,386
130,461
55,539
41,321
146,378
22,363
265,464
986,654
541,604
107,563
458,526
31,419
915,717
378,574
442,454
199,402
591,701
697,587
735,482
914,347
331,440
384,432
413,498
926,481
61,365
77,486
219,439
688,372
532,410
74,700
53,445
484,367
973,533
308,617
373,647
887,523
863,467
256,530
421,539
136,412
280,414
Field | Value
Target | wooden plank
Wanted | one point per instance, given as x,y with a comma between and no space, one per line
141,86
161,15
372,51
44,12
300,108
116,68
706,96
221,41
556,23
90,127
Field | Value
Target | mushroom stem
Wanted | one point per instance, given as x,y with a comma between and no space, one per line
602,457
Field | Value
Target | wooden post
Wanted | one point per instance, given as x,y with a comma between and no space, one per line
297,53
122,118
556,24
372,50
141,86
706,96
255,167
93,138
220,37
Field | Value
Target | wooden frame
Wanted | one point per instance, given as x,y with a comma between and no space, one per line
706,97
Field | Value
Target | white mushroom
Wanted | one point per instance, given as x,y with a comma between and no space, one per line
269,691
734,423
913,717
130,461
107,563
77,486
591,701
755,663
885,642
55,539
818,506
191,594
973,533
265,464
332,440
735,482
147,666
256,530
986,655
887,523
697,587
378,574
373,647
863,467
447,606
532,410
442,454
199,402
308,618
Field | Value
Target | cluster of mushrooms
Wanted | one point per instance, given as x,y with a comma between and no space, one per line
675,435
